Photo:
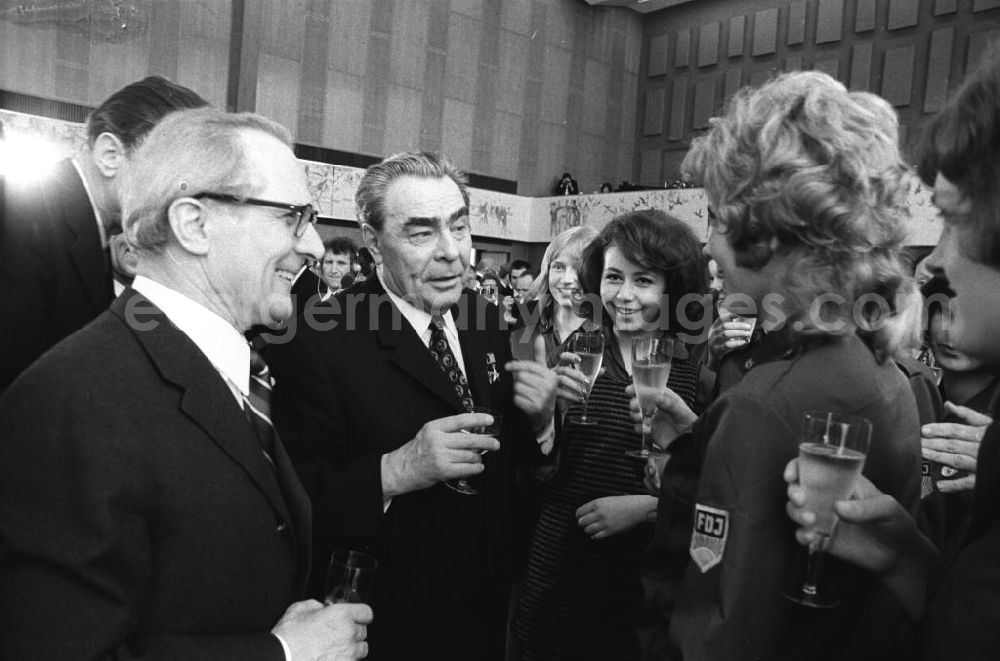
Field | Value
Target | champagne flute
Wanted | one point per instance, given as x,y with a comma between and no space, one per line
462,485
832,453
651,361
589,346
350,578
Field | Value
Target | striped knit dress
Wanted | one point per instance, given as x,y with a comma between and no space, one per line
580,596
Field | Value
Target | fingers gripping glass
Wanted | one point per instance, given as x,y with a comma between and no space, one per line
832,451
302,214
463,485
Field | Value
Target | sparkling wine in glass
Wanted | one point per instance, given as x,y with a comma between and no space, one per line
350,578
589,346
651,360
463,485
831,455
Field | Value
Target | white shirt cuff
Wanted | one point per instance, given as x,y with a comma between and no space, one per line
284,647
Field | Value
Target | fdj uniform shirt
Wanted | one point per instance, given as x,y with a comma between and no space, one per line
743,550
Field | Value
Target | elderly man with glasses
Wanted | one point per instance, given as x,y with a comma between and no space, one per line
147,508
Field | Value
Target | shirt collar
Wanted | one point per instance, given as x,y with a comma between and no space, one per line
93,205
223,345
419,319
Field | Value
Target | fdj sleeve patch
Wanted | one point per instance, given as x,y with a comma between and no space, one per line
711,528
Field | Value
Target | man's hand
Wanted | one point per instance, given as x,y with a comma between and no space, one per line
955,444
612,515
440,451
535,387
673,417
314,632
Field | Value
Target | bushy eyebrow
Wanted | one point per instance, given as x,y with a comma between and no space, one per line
431,221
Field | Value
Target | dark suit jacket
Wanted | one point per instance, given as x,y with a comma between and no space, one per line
54,277
362,387
138,517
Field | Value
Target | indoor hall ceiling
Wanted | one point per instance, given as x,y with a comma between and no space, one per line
641,6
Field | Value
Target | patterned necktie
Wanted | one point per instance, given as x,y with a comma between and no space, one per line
258,404
441,351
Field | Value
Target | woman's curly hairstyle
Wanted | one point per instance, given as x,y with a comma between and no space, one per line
802,168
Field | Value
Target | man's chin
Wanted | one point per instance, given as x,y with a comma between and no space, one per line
276,311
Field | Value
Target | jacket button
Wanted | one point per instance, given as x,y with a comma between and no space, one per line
282,527
749,364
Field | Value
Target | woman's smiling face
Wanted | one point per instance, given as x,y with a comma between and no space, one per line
631,294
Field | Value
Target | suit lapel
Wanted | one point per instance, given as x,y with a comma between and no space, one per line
207,400
301,512
408,351
88,255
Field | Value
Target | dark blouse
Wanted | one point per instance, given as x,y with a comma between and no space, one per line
580,595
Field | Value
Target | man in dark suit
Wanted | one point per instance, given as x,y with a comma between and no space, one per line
146,508
372,398
55,274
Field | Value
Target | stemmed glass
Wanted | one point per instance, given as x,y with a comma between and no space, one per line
589,346
463,485
832,453
350,578
651,361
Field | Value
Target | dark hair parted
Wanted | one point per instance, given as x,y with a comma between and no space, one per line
962,142
133,110
340,245
370,196
659,243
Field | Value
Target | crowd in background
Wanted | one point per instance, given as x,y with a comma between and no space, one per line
198,414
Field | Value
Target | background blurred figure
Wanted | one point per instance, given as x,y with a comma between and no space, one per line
581,591
566,185
147,513
338,257
522,285
55,273
968,386
552,316
774,167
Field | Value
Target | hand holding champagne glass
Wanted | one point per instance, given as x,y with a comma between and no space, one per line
651,361
832,453
493,429
589,346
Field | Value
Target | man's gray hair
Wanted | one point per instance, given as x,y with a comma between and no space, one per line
370,196
189,152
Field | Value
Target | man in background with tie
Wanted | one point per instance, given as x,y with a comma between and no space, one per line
373,394
147,510
55,275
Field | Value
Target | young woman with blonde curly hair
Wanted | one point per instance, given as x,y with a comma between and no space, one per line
803,181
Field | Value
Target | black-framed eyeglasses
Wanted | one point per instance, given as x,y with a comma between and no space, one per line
303,214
